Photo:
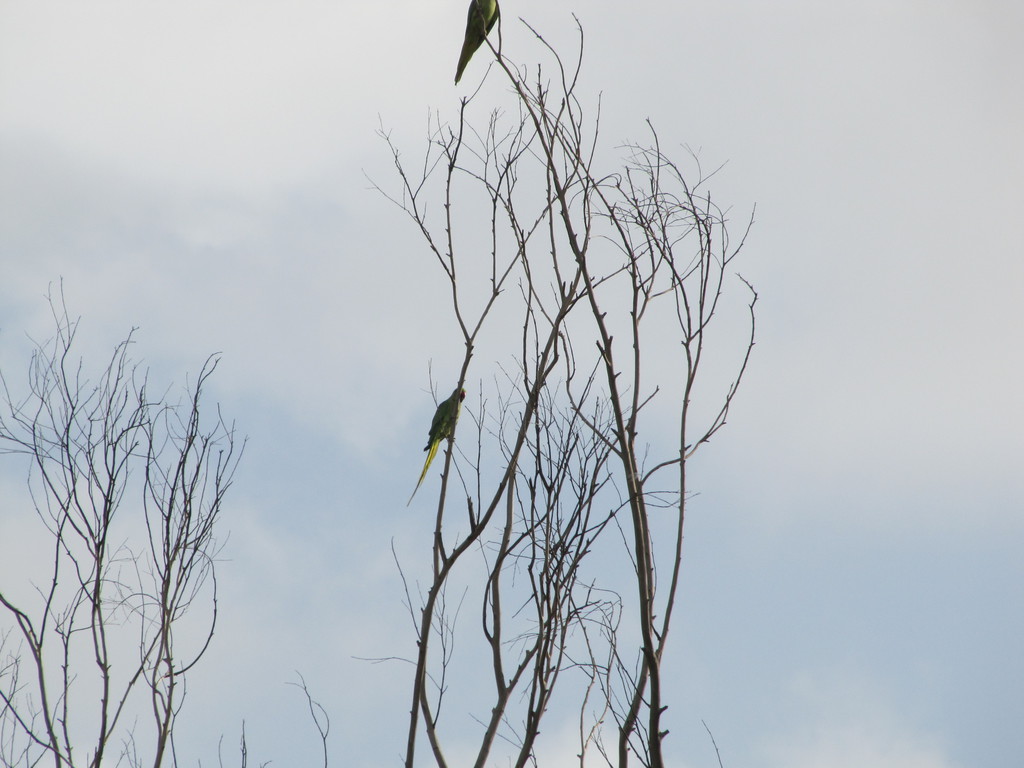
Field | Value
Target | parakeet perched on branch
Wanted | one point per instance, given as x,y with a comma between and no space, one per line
482,16
441,428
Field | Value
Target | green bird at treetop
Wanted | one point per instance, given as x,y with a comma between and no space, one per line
441,428
482,16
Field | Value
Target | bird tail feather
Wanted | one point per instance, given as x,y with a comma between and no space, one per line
426,466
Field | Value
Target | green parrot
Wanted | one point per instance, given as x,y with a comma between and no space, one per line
482,16
441,428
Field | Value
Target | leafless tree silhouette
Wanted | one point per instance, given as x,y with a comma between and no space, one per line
571,538
129,484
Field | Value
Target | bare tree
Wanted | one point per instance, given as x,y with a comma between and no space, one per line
615,279
129,484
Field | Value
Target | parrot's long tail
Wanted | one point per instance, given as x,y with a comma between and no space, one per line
426,466
468,49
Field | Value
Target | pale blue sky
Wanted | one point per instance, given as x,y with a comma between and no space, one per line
854,591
